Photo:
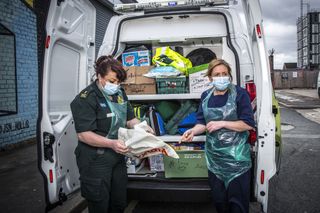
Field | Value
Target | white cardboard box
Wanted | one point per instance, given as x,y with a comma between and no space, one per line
198,82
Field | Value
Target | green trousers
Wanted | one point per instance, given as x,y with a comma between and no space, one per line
103,178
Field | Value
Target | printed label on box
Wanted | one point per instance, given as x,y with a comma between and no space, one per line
137,58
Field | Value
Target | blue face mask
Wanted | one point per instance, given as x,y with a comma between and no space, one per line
111,89
220,83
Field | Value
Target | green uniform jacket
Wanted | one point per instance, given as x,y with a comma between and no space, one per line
90,110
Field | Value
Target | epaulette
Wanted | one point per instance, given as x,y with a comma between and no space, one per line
84,93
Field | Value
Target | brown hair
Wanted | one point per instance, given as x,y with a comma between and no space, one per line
105,64
217,62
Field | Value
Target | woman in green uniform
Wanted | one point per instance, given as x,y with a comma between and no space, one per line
98,112
225,114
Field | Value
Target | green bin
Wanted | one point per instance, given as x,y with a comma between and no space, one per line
173,85
191,164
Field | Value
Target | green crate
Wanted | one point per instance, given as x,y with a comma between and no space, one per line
173,85
191,164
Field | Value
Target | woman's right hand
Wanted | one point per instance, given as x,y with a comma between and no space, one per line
119,147
187,136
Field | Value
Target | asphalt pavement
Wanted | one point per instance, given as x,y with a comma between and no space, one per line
22,187
295,188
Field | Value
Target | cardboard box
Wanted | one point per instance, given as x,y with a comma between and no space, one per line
138,89
136,58
135,75
136,83
198,83
191,164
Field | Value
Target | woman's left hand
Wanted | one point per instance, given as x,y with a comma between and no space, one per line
214,126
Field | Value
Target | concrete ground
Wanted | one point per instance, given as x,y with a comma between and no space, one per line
303,92
22,186
305,101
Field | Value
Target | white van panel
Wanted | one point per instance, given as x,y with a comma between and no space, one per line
68,66
157,28
63,78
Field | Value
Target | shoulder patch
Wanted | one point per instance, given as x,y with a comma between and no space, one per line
84,94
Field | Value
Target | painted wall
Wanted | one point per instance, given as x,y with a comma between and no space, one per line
21,20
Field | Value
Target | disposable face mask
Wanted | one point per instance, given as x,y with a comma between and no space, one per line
220,83
111,89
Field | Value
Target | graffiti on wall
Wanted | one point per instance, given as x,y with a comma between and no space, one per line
14,126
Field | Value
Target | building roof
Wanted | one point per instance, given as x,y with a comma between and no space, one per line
290,65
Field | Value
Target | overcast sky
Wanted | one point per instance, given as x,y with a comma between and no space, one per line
280,18
280,28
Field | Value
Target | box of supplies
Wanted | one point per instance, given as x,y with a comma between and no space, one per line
198,82
171,85
156,163
136,83
136,58
191,164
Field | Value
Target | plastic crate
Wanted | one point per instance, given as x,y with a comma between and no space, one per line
171,85
191,164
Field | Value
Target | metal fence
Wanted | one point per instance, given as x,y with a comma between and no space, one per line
287,79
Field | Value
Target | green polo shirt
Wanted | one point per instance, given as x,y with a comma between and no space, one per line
89,110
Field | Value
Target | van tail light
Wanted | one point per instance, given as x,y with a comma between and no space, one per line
259,32
251,89
51,176
262,177
252,137
47,42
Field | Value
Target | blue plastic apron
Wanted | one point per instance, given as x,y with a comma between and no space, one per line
119,115
227,151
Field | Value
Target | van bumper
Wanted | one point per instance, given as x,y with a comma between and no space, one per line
165,190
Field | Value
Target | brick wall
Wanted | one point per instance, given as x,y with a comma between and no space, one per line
19,19
7,73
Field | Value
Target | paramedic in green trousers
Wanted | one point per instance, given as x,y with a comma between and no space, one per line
226,115
98,112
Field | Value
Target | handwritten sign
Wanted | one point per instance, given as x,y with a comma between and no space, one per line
198,82
190,164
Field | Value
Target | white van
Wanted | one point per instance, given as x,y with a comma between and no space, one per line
232,29
318,84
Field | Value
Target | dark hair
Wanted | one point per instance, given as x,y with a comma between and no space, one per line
105,64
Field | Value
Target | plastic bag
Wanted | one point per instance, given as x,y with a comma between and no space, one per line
162,72
143,144
167,57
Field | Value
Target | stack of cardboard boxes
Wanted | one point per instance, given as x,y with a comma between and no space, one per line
137,63
136,83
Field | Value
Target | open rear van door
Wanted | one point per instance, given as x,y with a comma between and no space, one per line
266,121
68,66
